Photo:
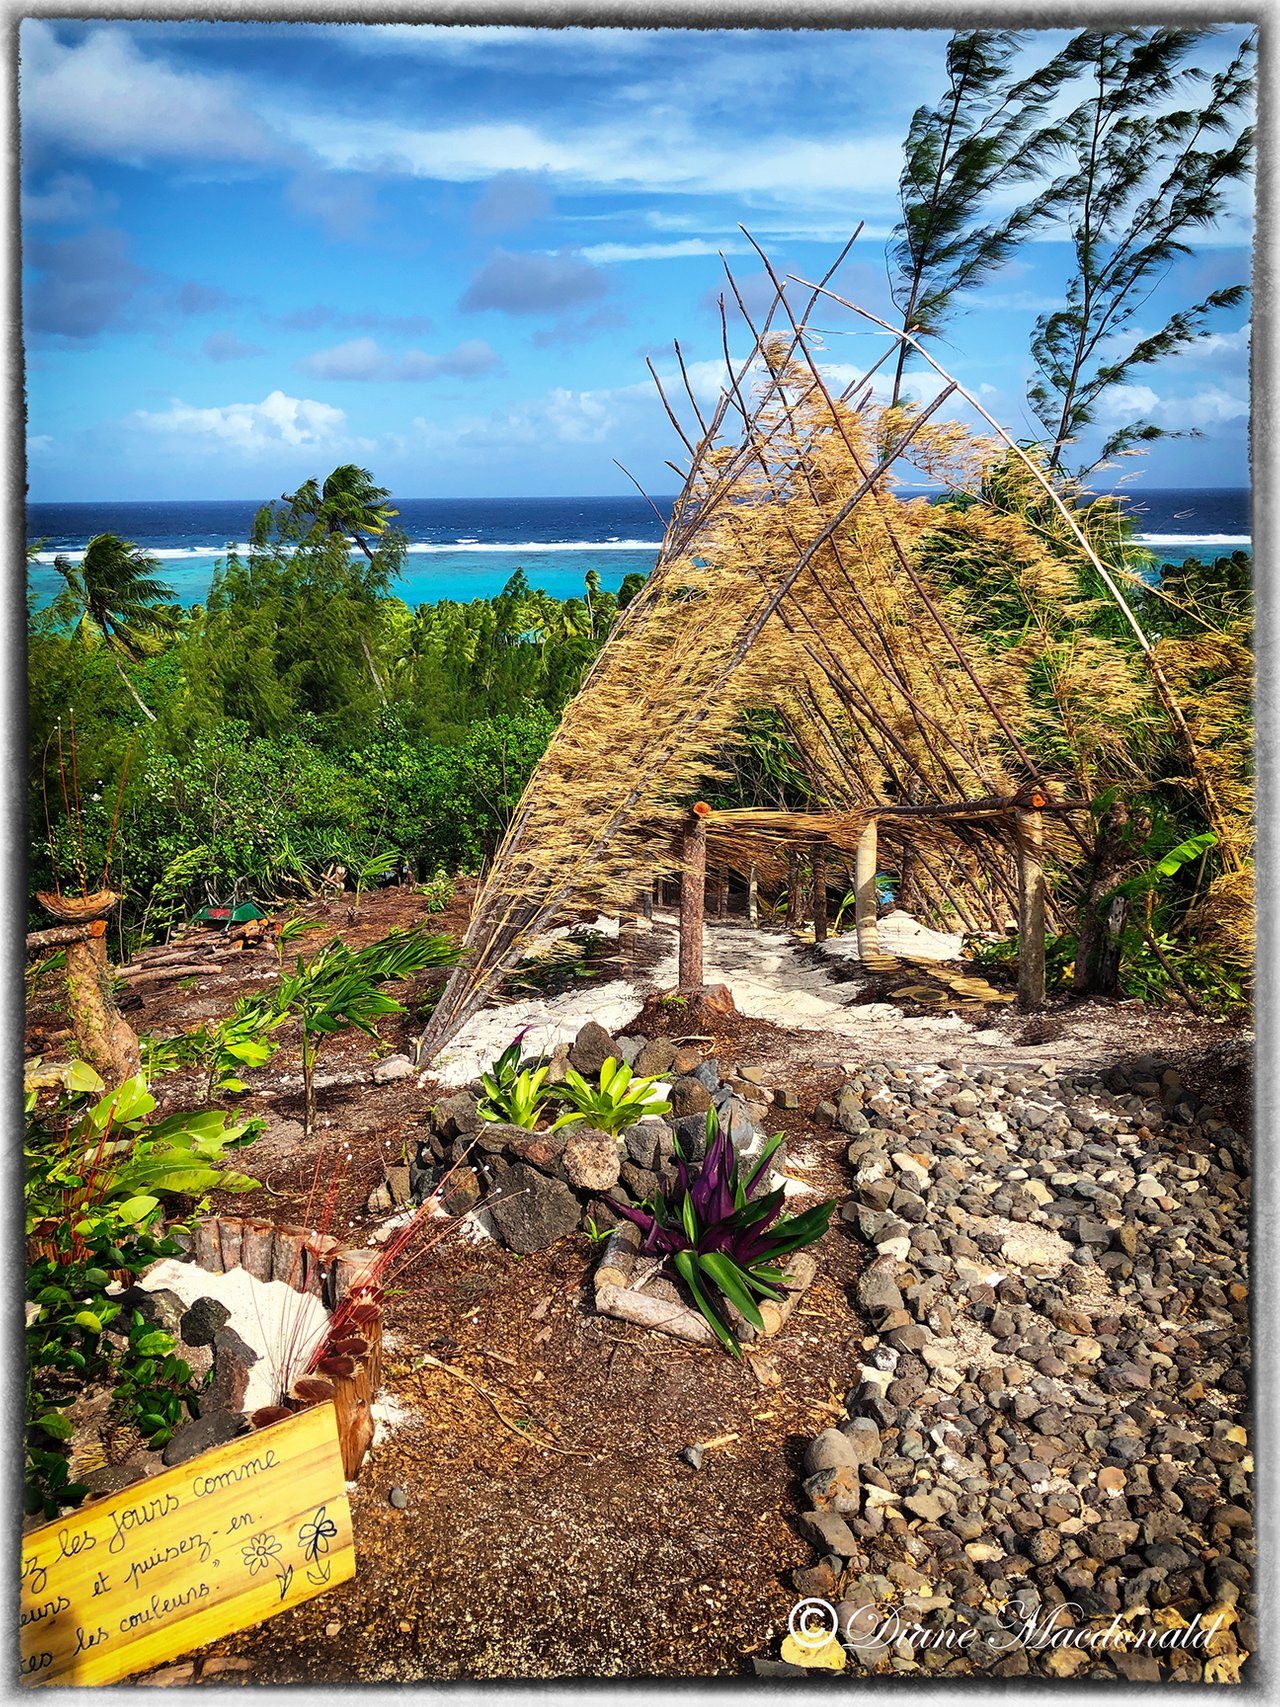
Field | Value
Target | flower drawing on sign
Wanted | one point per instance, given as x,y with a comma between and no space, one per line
260,1553
314,1537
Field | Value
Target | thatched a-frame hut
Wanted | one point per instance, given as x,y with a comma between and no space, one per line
795,577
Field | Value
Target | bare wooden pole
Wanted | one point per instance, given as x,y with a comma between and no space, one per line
693,897
753,896
722,891
864,891
793,887
1030,830
819,893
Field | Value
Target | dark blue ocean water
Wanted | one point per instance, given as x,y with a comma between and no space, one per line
468,548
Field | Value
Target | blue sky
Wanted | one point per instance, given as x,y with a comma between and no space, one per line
255,251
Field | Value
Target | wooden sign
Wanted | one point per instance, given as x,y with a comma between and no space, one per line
220,1543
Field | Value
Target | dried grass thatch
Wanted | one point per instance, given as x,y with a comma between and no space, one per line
793,576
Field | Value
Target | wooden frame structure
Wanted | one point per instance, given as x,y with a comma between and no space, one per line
1022,817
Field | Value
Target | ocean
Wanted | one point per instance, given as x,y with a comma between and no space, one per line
469,548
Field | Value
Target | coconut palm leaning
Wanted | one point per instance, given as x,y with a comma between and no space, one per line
349,506
113,599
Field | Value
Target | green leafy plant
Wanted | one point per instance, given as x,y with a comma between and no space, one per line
618,1103
290,930
722,1240
223,1050
93,1188
518,1104
338,988
437,892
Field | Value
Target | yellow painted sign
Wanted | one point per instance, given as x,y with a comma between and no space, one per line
218,1544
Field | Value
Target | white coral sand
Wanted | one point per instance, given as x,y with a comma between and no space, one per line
773,975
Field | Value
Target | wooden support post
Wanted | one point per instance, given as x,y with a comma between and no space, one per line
693,887
864,891
646,902
1030,831
794,914
722,891
819,893
753,896
627,939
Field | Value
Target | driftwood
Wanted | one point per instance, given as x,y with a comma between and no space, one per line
286,1256
230,1235
676,1319
352,1270
351,1404
208,1248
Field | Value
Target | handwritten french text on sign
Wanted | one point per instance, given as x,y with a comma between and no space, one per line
216,1545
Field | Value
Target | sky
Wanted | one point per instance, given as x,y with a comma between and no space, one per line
252,252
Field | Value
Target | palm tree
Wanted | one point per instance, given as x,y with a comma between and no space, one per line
349,506
117,602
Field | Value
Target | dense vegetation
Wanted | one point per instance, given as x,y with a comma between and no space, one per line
303,717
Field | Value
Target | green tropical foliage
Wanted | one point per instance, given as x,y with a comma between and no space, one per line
618,1102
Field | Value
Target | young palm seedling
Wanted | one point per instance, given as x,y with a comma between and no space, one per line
722,1240
339,987
618,1103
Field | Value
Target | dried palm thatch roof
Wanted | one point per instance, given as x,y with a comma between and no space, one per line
793,576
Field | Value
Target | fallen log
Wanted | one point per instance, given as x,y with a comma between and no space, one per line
56,936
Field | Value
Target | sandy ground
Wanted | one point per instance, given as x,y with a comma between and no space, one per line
771,974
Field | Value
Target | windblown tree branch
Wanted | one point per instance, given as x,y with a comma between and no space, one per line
980,137
1143,175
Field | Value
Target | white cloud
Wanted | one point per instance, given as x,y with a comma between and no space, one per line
606,252
365,359
103,96
1210,406
250,427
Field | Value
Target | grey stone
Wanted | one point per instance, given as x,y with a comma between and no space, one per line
233,1359
592,1160
628,1048
828,1531
641,1143
655,1058
393,1068
531,1210
398,1498
202,1321
689,1096
692,1456
456,1115
211,1428
864,1439
829,1451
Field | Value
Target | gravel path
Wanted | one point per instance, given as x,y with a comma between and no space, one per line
1046,1443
